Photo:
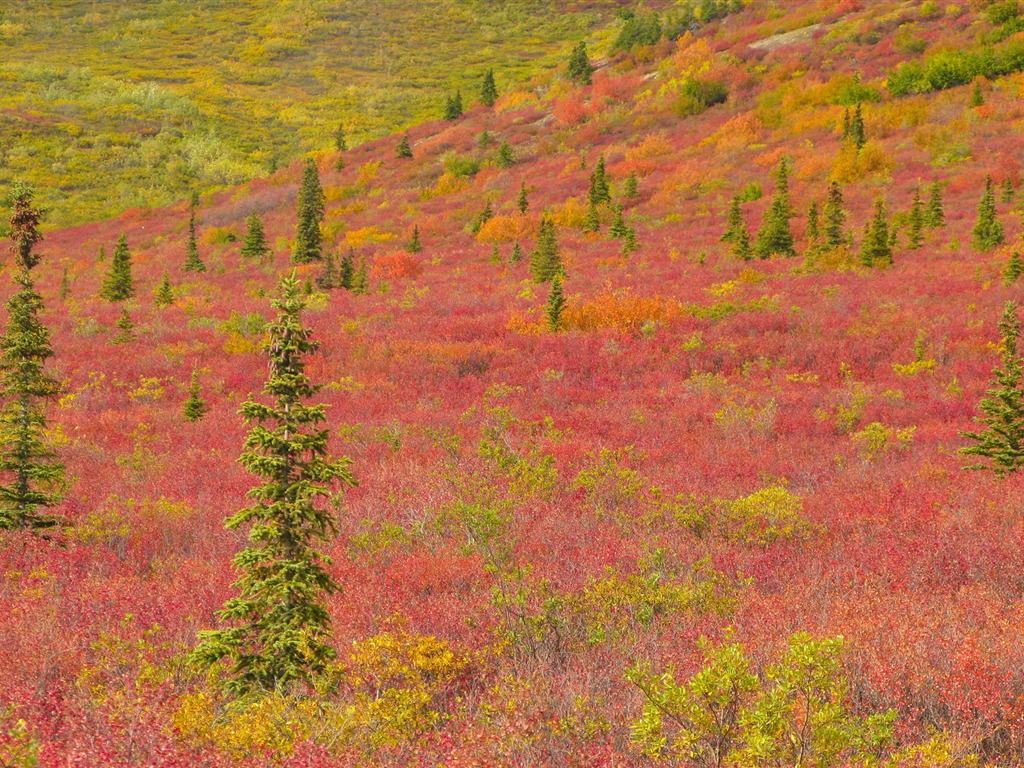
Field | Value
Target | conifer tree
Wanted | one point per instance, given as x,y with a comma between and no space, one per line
915,222
523,203
619,228
988,232
101,255
310,211
506,158
835,217
328,278
775,237
485,140
193,262
125,328
629,244
163,296
1014,269
977,97
600,190
546,260
361,278
65,286
488,89
346,278
555,305
118,284
813,228
857,135
254,246
404,151
846,123
414,243
580,70
631,186
1001,443
934,215
195,408
741,243
29,469
593,222
453,107
876,250
1007,190
275,634
733,221
517,254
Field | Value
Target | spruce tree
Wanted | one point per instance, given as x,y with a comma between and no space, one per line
775,237
361,278
579,69
310,210
506,158
619,227
555,305
125,328
347,274
488,89
1002,440
163,296
813,227
546,260
600,190
517,254
733,221
328,278
523,203
988,232
453,107
101,255
629,244
1007,191
1014,269
857,134
414,244
741,243
29,469
915,222
118,284
193,262
65,286
593,221
977,97
876,250
254,246
934,215
631,186
404,151
195,408
276,633
846,123
835,218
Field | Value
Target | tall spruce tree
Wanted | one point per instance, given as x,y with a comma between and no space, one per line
347,273
310,209
858,137
1014,269
988,232
592,223
1001,442
580,69
119,284
453,107
276,633
775,237
814,227
488,89
193,262
254,246
555,305
546,260
835,217
30,472
935,215
328,279
876,250
915,222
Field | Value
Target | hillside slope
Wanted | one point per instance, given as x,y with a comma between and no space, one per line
711,448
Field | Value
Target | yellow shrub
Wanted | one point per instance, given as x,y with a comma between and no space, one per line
876,439
368,172
765,517
357,238
572,214
852,165
448,184
653,146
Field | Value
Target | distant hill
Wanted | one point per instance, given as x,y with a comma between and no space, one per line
106,106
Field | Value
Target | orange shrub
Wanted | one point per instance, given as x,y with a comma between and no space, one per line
396,266
653,146
506,229
618,310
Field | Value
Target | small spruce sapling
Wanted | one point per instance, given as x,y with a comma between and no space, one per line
163,296
915,222
523,203
119,284
254,246
195,408
488,89
988,232
404,151
555,305
193,262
